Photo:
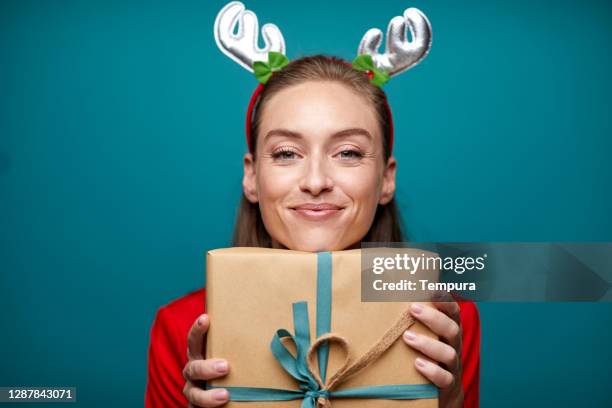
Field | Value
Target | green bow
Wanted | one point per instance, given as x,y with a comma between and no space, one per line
365,63
277,61
263,70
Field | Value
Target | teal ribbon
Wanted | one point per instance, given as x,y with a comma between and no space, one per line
296,366
324,301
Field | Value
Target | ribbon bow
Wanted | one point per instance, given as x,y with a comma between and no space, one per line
263,70
316,391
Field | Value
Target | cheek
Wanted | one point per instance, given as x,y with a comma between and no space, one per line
273,185
362,186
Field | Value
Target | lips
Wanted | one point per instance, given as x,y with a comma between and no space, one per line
317,211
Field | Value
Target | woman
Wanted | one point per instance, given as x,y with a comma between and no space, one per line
320,176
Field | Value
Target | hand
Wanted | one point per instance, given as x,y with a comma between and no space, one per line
198,369
444,320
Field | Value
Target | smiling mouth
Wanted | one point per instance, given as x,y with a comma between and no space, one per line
317,212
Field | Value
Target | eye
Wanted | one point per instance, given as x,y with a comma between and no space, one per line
284,154
350,154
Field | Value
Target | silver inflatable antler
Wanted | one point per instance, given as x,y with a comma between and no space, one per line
400,55
242,47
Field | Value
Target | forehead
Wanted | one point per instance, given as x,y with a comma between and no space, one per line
321,107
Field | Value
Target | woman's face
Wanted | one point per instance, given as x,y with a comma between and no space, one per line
319,172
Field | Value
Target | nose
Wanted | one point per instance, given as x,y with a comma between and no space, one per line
316,178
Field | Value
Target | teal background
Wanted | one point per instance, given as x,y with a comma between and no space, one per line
121,137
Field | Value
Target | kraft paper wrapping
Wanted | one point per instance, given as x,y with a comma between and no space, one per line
250,292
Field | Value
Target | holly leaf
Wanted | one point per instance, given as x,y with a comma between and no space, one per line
379,78
363,62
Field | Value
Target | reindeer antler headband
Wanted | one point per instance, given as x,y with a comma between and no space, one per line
399,55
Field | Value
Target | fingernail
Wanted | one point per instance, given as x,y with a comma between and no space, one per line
408,335
416,308
202,319
220,395
221,366
420,362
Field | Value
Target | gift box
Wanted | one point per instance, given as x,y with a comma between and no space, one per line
295,332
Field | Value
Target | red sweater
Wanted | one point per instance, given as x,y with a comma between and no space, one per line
168,351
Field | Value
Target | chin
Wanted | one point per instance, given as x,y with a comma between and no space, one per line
316,242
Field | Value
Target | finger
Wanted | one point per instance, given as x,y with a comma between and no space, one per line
198,397
205,369
451,309
432,348
438,322
195,340
434,373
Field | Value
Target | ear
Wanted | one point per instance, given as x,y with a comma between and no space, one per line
388,185
249,184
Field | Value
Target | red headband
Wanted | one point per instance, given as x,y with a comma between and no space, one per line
255,97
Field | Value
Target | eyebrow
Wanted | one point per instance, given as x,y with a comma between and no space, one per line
339,134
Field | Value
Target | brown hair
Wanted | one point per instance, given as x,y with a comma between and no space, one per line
386,227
